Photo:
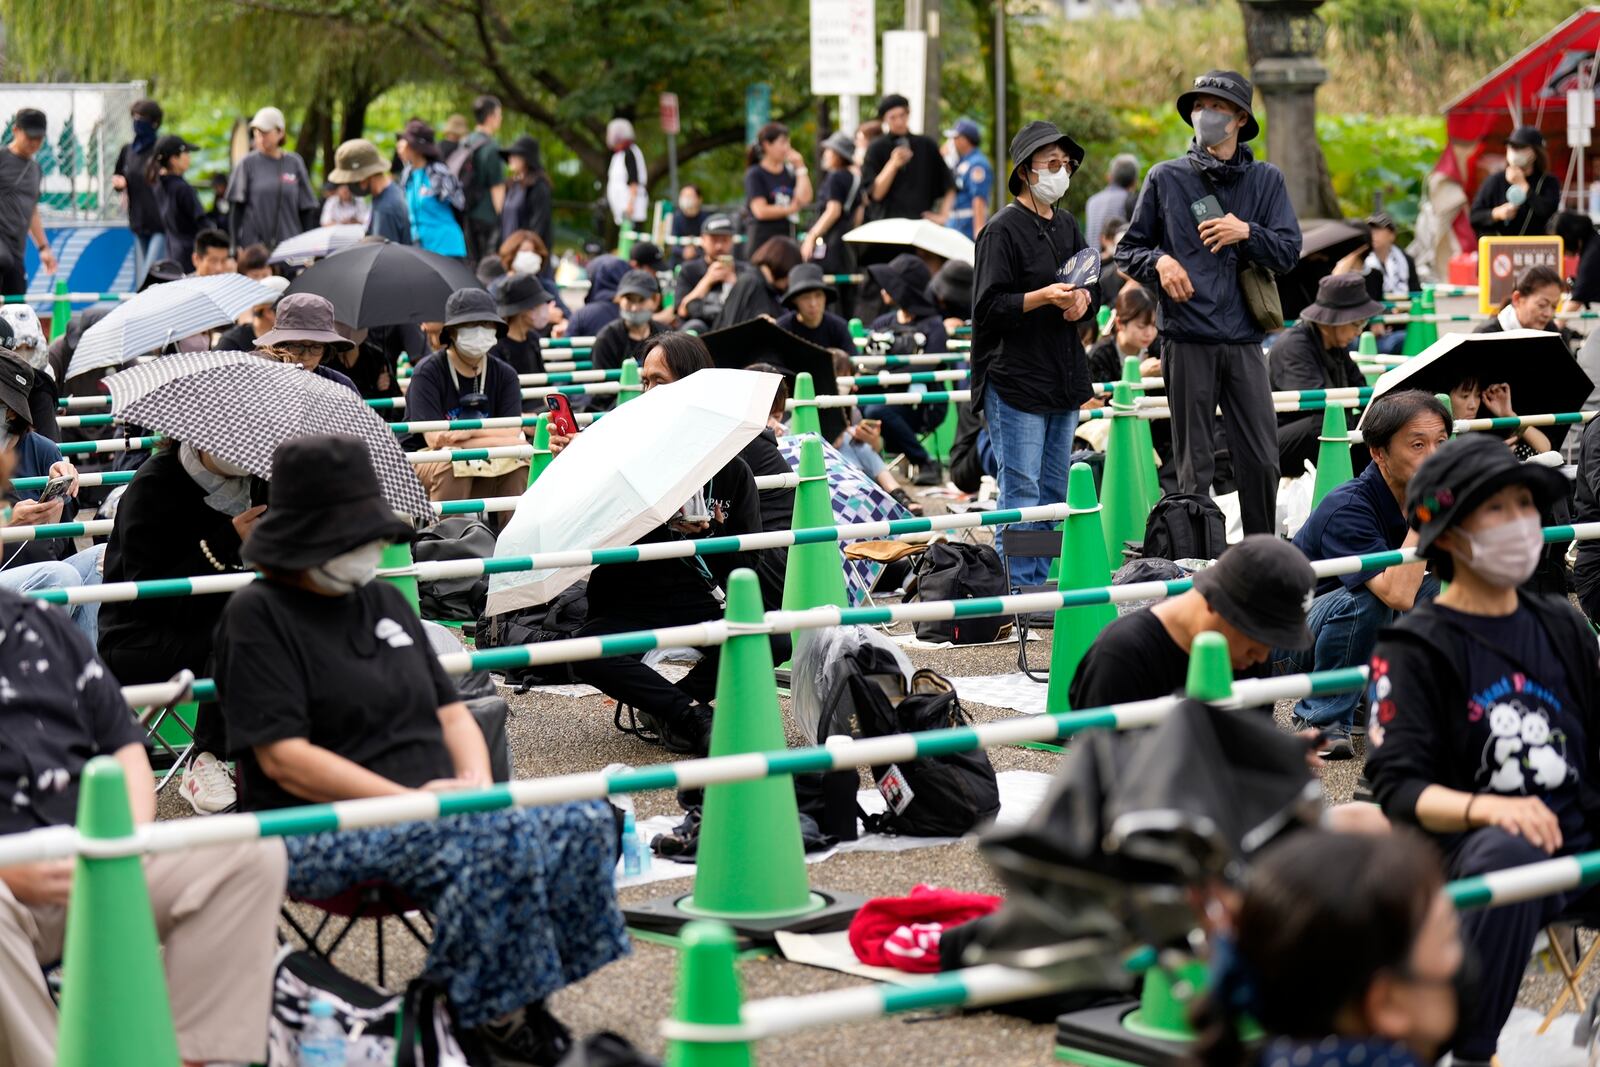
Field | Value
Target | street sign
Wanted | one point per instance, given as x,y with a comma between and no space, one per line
757,109
905,65
669,113
1501,259
844,59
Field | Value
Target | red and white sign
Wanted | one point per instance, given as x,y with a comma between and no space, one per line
1501,259
1501,265
669,113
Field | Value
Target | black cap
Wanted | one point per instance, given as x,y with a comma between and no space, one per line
1264,587
1462,474
1526,137
173,145
32,122
1228,85
718,225
890,102
521,292
1032,137
471,305
646,255
1381,220
639,283
16,382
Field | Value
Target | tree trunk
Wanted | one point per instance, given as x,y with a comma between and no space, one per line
353,111
982,12
309,140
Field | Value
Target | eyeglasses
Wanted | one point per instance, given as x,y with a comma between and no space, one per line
1055,165
300,349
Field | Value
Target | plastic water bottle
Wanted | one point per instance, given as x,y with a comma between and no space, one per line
632,864
322,1042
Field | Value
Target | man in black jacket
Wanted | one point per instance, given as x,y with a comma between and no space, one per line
1212,350
1316,355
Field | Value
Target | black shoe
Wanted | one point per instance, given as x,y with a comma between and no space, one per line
688,734
1040,620
1336,744
1363,792
929,474
529,1038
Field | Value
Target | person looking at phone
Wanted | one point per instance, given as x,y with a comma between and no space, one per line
1029,372
1200,221
463,381
904,173
705,281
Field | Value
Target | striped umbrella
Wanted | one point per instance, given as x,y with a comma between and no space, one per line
164,314
319,243
241,407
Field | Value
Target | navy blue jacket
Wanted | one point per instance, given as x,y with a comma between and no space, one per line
1163,225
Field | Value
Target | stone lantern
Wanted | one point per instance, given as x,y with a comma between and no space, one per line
1283,39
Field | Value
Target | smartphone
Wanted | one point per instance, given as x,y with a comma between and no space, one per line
55,487
902,142
1207,207
562,420
725,260
873,424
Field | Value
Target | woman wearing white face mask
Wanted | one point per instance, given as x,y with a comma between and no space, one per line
1523,198
1483,706
463,381
331,692
1030,374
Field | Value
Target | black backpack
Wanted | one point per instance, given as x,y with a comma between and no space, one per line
1185,526
943,796
956,571
458,537
555,621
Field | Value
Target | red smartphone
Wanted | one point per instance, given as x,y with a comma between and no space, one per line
562,420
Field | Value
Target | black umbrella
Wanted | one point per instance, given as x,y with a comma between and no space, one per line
1537,364
1323,243
385,284
764,341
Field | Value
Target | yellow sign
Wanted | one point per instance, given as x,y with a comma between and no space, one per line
1501,259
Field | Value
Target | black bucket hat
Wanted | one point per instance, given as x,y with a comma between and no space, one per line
1228,85
806,278
521,292
323,499
952,286
1032,137
905,278
471,305
526,147
1264,587
16,382
1341,300
1462,474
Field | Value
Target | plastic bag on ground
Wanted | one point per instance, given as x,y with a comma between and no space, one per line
823,662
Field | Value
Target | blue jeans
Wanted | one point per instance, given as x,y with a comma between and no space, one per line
1391,343
1031,452
862,457
902,430
80,569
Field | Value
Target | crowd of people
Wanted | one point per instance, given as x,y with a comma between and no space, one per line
1475,717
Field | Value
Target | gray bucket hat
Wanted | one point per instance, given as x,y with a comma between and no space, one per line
304,317
471,305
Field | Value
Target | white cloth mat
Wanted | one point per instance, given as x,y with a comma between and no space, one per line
832,952
1015,691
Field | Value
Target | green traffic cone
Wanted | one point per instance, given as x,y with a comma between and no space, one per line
944,435
60,311
804,419
1083,566
858,328
1122,493
814,574
1333,454
1210,668
708,995
541,449
751,862
396,556
629,381
1415,340
1147,449
1102,319
1368,346
1432,328
1165,1002
114,1006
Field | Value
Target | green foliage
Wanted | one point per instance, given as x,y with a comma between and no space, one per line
1380,159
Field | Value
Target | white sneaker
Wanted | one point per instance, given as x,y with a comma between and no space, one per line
207,785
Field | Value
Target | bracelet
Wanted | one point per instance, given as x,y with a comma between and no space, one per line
1466,815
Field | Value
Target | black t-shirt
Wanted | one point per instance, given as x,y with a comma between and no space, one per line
831,332
841,185
437,388
778,191
612,345
918,185
524,356
352,674
59,708
144,213
1135,658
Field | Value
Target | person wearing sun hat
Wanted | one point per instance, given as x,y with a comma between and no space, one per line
331,691
1485,708
1193,250
1315,354
303,332
808,316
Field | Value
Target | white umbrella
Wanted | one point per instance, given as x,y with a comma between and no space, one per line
628,473
163,314
918,233
319,243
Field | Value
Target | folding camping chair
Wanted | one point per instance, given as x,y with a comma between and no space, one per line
375,900
1030,544
1564,953
154,716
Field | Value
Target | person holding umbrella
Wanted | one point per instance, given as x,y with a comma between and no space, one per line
463,381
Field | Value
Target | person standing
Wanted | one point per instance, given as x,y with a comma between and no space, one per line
777,186
1116,199
971,169
627,181
903,173
840,195
128,178
485,186
433,196
1030,374
527,204
19,202
1212,351
1522,198
179,203
358,163
270,190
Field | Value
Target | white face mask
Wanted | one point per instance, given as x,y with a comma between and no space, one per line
228,470
474,342
1052,187
348,571
1519,157
526,262
1505,556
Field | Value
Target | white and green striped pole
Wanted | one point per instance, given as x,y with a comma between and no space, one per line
118,444
925,359
861,381
11,535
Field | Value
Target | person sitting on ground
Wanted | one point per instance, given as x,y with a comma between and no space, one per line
765,459
22,335
808,317
185,512
1315,354
1112,280
1255,595
1386,987
1483,709
1471,400
672,592
259,320
332,692
463,381
1586,508
706,280
638,298
252,262
917,327
366,363
303,332
215,909
527,309
761,293
600,308
1387,269
1360,517
525,252
861,443
342,207
1132,333
1533,304
210,255
951,292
